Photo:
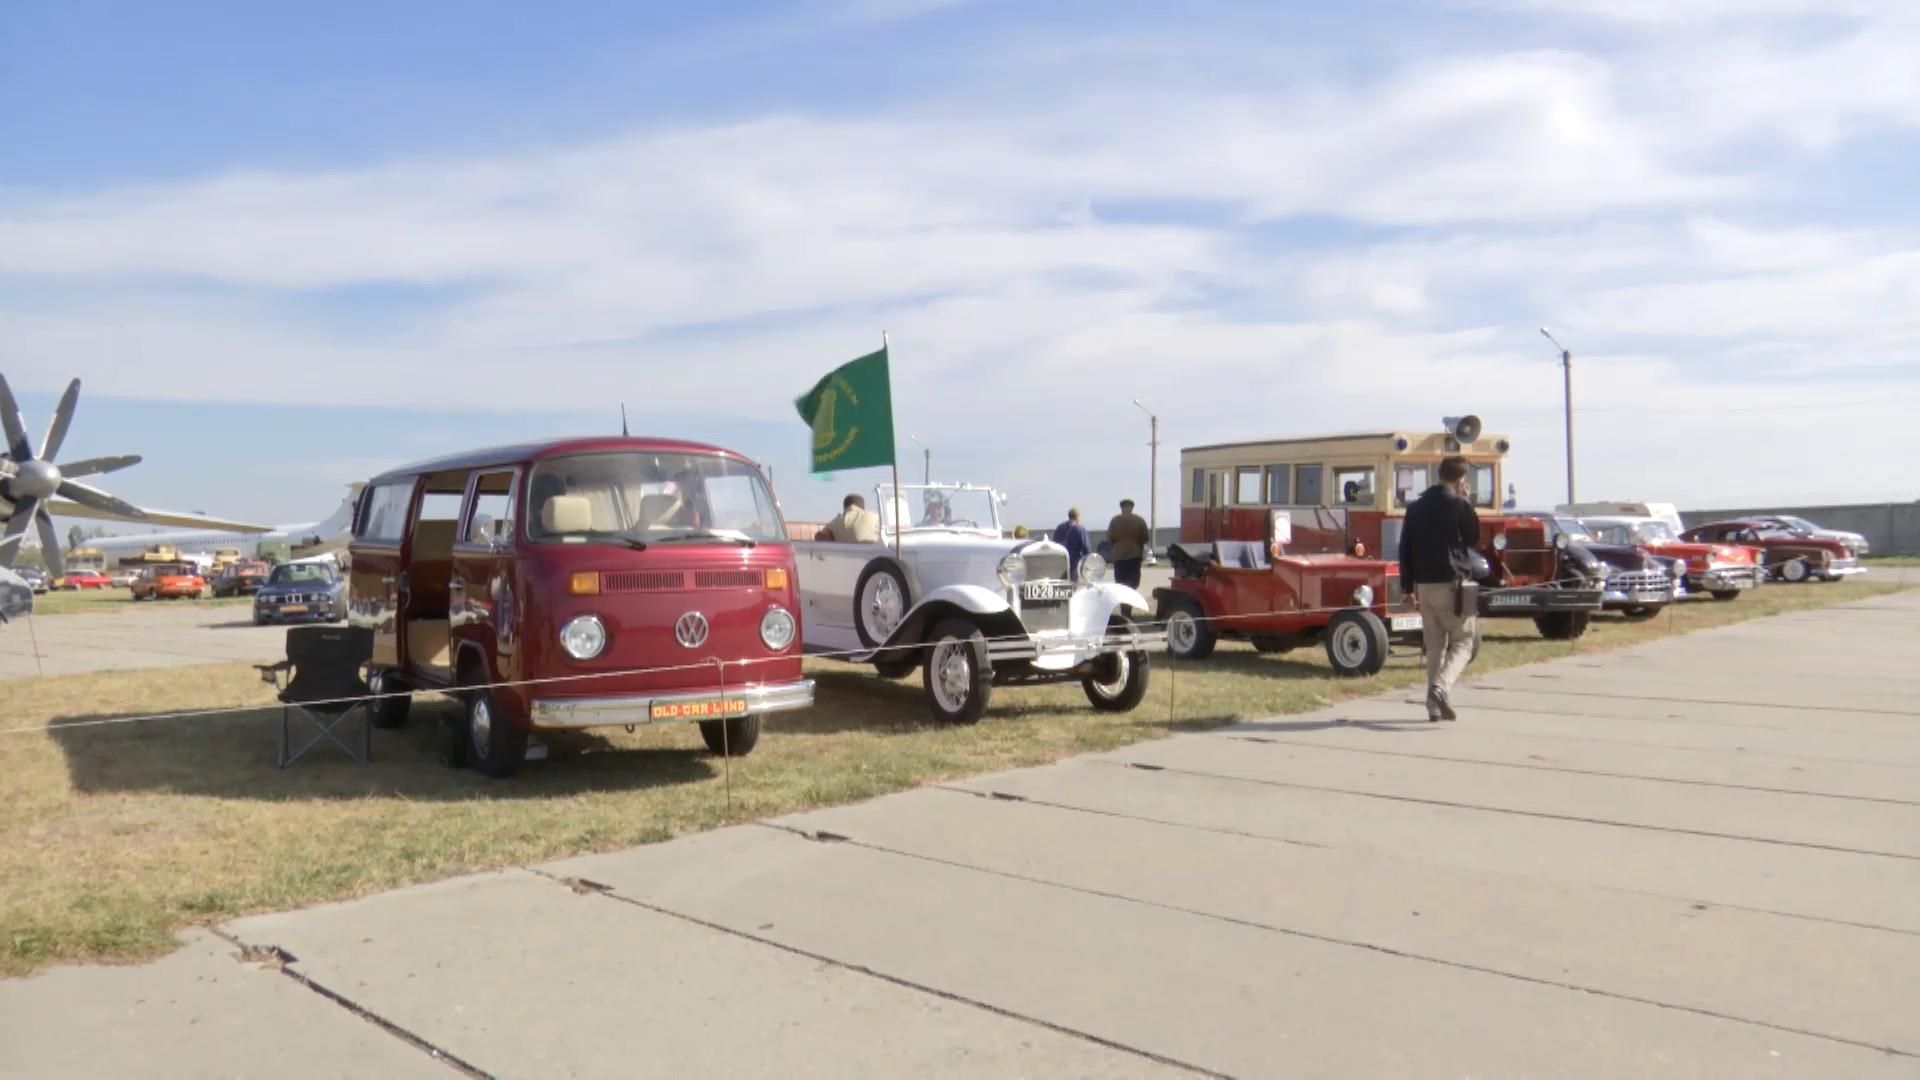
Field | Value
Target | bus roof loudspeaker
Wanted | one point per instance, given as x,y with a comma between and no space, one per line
1466,429
1401,443
1503,446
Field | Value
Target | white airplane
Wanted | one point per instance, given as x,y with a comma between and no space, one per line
33,488
312,538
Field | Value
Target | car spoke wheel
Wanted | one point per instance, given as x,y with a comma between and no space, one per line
880,602
957,677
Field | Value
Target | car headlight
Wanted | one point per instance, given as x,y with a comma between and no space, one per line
1560,541
1093,568
1500,542
584,637
777,629
1363,596
1012,570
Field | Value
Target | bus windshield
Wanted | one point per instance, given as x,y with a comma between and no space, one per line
643,497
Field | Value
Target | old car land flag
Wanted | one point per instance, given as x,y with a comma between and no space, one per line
851,413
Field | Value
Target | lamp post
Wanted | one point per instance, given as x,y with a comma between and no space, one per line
1153,475
1566,374
926,457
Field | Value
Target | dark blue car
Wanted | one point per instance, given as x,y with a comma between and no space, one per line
301,592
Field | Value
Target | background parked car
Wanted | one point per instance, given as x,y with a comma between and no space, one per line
123,578
241,579
35,578
301,592
169,581
1801,525
1789,555
86,579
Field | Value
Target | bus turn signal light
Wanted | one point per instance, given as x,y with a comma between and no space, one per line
776,577
584,583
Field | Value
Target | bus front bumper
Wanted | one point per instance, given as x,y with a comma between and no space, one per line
714,704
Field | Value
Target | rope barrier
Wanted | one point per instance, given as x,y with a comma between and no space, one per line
1104,642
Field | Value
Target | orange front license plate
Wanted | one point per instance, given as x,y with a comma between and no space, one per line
699,709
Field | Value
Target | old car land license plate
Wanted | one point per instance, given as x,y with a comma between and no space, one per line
293,608
1406,622
1511,600
1046,590
698,709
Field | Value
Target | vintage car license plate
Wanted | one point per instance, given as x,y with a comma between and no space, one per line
698,709
1519,600
1405,622
292,609
1046,590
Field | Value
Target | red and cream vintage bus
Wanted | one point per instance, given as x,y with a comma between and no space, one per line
1349,494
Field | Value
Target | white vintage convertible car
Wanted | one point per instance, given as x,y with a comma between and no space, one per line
972,609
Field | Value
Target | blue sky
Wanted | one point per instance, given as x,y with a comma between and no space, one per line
286,250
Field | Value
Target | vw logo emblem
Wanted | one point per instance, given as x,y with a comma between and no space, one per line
691,630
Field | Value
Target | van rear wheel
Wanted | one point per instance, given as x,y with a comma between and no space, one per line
388,712
731,738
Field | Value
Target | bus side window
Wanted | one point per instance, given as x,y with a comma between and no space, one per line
1307,488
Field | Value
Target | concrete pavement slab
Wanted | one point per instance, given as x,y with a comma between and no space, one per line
519,975
1474,743
1815,820
1897,729
142,636
1240,999
1747,965
196,1013
1867,890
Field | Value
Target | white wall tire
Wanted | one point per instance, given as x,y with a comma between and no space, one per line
1795,571
1125,685
880,602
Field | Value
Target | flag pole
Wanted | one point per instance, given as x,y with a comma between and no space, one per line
898,525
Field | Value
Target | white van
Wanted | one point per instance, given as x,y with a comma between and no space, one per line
1658,511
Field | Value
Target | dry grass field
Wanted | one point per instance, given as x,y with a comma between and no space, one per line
120,834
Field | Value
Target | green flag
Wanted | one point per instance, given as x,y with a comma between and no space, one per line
851,413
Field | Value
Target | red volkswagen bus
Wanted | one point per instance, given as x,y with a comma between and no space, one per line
575,584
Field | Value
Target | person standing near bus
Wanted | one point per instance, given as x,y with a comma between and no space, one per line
1436,543
1128,534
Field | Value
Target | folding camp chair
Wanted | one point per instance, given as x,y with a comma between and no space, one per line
323,679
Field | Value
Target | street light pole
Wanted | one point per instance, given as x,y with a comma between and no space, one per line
1153,475
926,457
1566,377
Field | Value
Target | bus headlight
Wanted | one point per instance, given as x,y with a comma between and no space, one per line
776,629
1012,571
1093,568
1499,541
584,637
1363,596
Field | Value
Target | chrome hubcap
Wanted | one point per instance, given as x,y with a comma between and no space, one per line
882,606
482,725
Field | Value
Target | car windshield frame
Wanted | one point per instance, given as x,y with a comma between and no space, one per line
643,500
963,502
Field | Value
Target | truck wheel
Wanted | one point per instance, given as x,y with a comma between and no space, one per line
495,745
1189,635
1794,570
733,738
1356,643
388,712
958,679
1120,682
1725,594
1562,625
896,667
1643,612
879,602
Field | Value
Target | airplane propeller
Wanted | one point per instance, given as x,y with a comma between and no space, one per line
28,480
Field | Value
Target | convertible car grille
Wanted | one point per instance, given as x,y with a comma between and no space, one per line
1040,616
1046,566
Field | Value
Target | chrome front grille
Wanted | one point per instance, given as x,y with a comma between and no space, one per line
1041,616
1046,566
1638,580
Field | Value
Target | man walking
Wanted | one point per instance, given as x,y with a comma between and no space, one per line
1128,534
1440,532
1072,535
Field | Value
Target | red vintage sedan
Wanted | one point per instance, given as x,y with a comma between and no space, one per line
1790,555
85,579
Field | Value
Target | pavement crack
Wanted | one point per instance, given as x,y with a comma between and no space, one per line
275,958
1542,814
1387,950
1569,770
900,981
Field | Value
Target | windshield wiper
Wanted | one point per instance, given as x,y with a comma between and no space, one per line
709,534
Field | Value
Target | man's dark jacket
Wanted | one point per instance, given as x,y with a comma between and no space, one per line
1441,529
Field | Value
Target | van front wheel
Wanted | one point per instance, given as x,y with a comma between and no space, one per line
496,746
731,738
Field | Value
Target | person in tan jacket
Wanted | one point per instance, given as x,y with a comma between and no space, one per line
1130,538
855,525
